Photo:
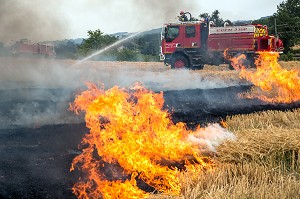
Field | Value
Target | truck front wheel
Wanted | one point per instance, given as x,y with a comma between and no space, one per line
179,62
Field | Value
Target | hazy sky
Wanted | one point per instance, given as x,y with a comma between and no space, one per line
58,19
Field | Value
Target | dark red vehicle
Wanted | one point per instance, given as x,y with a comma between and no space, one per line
25,47
192,44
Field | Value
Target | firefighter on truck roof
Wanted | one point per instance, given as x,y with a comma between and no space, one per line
182,16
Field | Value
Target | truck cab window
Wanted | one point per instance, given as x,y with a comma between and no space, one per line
171,33
190,31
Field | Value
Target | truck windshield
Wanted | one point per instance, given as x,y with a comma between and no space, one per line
171,33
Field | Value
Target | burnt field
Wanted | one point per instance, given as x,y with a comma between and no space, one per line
35,161
40,137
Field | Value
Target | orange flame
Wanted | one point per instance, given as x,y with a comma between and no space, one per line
273,83
224,124
129,130
238,62
226,55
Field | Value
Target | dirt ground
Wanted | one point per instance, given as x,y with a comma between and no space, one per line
39,136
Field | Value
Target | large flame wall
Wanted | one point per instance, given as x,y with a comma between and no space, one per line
272,83
129,130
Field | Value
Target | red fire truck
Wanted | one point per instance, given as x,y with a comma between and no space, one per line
192,44
25,47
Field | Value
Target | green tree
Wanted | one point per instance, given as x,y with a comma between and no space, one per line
96,40
66,49
144,47
229,22
204,15
215,17
127,55
288,22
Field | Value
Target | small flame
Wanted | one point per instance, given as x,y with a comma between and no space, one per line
133,139
226,55
224,124
273,83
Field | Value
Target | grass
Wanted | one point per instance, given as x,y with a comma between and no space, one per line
295,65
263,162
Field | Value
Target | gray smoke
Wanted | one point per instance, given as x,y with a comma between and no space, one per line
151,12
175,80
136,15
38,20
35,20
35,92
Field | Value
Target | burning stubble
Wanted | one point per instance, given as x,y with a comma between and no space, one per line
129,128
272,83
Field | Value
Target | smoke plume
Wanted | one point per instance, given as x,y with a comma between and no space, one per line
35,20
38,20
152,12
137,15
35,92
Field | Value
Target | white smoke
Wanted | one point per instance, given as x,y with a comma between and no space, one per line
34,20
42,73
175,80
209,138
36,92
34,115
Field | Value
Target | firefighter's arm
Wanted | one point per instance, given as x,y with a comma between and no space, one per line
180,18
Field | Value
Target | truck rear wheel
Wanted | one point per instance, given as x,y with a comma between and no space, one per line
179,62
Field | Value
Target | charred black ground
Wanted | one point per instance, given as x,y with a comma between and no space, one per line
35,162
212,105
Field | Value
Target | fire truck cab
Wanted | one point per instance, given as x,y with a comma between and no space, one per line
195,43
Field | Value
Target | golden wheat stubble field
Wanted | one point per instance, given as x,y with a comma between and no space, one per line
263,162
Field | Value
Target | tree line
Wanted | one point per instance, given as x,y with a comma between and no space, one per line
285,23
141,48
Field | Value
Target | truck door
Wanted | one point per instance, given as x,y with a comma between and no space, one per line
171,39
191,36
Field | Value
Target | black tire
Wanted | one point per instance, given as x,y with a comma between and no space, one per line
179,62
